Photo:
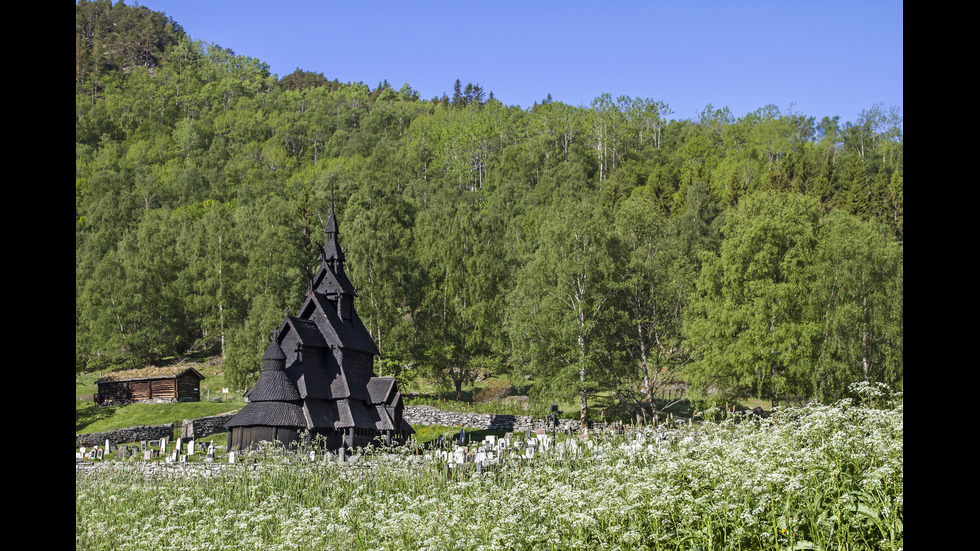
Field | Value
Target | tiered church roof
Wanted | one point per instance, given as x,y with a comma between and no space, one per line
317,373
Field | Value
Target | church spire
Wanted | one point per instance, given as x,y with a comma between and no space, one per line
330,279
333,255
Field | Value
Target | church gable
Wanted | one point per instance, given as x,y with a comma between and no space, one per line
339,332
331,284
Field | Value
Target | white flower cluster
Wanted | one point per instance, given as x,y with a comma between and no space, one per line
814,476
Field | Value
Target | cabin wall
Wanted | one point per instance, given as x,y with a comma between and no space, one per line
188,388
113,392
184,389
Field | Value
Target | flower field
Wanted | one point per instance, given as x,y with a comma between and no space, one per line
817,477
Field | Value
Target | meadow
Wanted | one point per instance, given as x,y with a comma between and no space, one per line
811,477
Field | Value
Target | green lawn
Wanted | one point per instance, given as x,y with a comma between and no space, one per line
92,418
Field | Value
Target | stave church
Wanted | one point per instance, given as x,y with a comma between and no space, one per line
317,381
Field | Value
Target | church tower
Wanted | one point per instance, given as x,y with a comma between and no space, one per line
328,357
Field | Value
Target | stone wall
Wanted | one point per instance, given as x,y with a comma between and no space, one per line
122,436
428,415
190,428
205,426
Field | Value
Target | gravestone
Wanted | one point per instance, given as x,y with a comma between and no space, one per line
210,456
190,448
187,429
99,453
147,455
231,457
121,452
142,445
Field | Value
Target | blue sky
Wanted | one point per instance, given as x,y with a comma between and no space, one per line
819,59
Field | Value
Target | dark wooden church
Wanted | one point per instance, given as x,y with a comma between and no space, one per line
317,373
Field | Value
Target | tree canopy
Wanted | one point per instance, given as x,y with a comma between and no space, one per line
594,249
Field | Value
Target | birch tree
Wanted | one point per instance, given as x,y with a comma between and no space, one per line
564,316
748,322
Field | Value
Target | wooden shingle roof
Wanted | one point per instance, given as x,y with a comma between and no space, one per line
379,388
144,373
307,331
343,333
273,384
270,414
324,414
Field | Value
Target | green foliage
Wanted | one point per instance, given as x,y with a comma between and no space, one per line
203,181
796,305
747,323
564,312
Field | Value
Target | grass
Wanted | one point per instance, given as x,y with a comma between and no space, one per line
91,418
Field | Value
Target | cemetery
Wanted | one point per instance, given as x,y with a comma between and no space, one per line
757,482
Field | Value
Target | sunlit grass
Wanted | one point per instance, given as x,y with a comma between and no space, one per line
92,418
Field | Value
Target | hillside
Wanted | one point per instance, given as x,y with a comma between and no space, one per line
598,253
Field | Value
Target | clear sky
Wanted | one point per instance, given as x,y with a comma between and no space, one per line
817,58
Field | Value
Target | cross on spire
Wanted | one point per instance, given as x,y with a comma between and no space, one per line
333,255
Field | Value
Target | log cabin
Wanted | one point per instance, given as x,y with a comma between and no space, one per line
170,384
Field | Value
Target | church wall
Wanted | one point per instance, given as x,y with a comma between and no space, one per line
359,361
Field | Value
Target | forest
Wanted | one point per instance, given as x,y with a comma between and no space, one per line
595,251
